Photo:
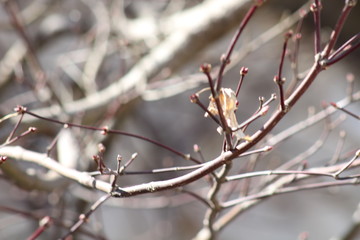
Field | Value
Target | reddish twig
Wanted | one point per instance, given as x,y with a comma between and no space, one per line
345,111
206,69
225,59
283,190
350,46
105,130
278,79
316,8
243,72
196,196
44,223
195,99
21,113
83,218
263,111
349,4
294,57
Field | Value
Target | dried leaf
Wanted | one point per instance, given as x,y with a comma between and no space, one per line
228,103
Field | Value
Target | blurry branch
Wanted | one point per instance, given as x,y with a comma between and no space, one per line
68,154
52,26
84,217
207,167
274,140
180,84
87,180
149,202
241,204
11,60
271,33
356,116
35,10
33,182
169,87
293,175
38,217
353,229
98,52
40,86
178,47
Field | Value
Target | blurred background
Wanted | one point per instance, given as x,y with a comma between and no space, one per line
79,48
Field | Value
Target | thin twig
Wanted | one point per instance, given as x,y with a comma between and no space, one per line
347,165
44,223
338,149
225,59
243,72
349,4
16,125
278,79
294,57
283,190
105,130
195,99
316,8
83,218
345,111
196,196
350,46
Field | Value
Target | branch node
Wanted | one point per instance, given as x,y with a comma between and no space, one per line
20,109
105,130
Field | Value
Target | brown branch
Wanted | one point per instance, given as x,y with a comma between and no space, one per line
316,8
349,4
225,59
83,218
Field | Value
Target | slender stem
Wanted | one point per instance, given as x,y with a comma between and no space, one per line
226,58
350,46
195,195
175,169
349,4
206,69
346,166
243,72
45,223
12,9
28,131
104,130
345,111
316,8
283,190
276,172
294,57
214,207
11,115
259,114
224,125
127,164
84,217
279,78
195,99
33,216
338,149
15,127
